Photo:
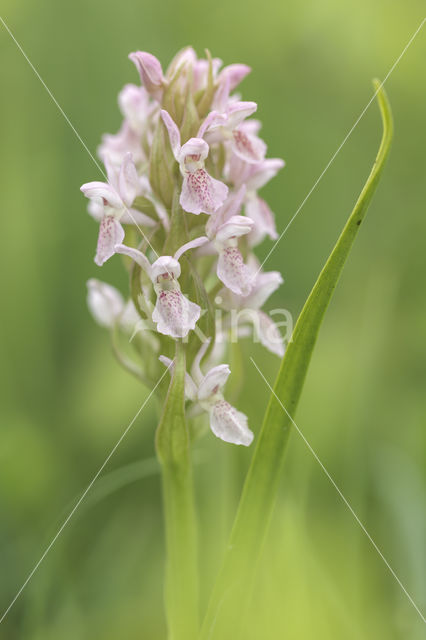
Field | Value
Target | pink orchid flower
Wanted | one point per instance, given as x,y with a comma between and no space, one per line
110,203
205,391
263,286
254,177
108,308
223,230
173,313
230,125
200,192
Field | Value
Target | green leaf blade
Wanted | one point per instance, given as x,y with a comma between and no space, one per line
231,593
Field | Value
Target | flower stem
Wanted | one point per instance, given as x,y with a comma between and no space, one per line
173,449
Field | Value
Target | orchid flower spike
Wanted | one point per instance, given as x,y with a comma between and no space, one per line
200,192
173,313
205,392
110,203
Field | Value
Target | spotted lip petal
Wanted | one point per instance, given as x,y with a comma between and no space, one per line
232,271
230,425
174,314
201,193
111,233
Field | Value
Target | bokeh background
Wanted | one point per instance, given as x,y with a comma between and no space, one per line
65,401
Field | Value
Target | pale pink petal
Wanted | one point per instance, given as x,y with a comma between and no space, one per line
213,381
190,386
104,191
134,216
238,112
248,147
234,228
261,173
201,193
230,425
264,223
235,73
110,233
269,334
104,301
165,266
232,271
213,119
192,244
263,287
173,131
195,150
174,314
134,105
135,255
231,207
150,71
128,180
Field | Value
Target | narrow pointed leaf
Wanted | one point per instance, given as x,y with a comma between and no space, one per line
226,612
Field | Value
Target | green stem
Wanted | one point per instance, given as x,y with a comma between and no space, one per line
227,607
173,449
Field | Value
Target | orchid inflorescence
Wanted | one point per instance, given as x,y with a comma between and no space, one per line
181,204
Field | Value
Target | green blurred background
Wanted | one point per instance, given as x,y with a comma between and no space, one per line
65,401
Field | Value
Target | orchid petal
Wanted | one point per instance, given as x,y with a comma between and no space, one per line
235,73
102,190
195,149
248,147
264,286
212,120
128,180
192,244
110,233
263,172
213,381
235,227
135,255
173,131
150,71
201,193
232,271
165,266
269,334
264,224
104,301
238,112
174,314
230,425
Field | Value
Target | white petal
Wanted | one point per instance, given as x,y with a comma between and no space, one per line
194,147
128,180
104,191
234,228
213,381
263,218
230,425
165,265
174,314
269,334
192,244
264,285
104,301
110,233
173,131
232,271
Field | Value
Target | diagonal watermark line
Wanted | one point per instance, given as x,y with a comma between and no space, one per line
340,493
73,128
345,139
83,495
